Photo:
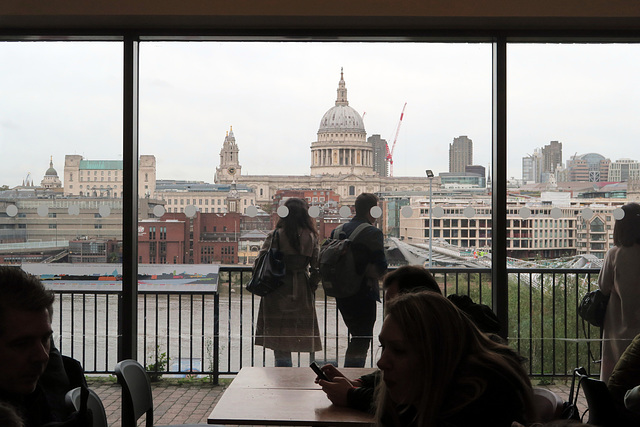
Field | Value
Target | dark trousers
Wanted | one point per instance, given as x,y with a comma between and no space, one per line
283,358
359,314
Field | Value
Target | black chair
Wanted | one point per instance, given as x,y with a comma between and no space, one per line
602,409
98,414
137,398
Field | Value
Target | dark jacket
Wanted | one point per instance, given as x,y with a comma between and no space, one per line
368,251
45,406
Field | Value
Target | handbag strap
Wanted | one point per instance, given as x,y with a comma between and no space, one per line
275,237
588,341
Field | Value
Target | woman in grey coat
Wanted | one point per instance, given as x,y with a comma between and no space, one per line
287,320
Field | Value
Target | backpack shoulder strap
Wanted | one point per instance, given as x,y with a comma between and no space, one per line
358,229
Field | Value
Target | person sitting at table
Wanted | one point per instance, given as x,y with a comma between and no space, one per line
438,368
33,377
624,383
358,393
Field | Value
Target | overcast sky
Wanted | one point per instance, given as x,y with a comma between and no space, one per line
66,98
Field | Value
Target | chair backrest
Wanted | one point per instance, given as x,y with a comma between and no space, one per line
548,404
136,391
602,410
98,414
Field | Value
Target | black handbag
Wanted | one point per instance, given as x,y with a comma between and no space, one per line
268,270
593,307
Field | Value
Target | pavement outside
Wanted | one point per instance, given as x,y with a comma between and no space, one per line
191,401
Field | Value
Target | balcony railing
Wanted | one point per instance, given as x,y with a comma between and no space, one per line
212,332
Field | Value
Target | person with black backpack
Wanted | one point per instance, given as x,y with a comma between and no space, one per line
358,310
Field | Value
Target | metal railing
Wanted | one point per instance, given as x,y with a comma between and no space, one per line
213,332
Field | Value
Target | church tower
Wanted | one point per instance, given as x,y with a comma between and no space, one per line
233,199
229,168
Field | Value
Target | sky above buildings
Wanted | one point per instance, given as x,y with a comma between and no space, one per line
66,98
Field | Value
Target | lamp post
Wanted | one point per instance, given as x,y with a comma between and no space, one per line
430,177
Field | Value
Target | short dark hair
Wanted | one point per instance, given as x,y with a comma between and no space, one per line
22,291
626,231
411,278
364,203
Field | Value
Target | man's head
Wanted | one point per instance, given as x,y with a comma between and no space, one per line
364,203
25,330
408,278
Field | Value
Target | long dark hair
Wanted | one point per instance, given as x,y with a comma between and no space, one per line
453,353
626,231
297,218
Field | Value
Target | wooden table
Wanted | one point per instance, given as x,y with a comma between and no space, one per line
283,396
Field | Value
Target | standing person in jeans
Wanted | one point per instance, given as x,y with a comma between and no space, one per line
359,310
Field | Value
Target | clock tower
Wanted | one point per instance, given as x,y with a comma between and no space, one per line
229,168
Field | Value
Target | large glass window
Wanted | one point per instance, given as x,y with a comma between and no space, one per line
571,110
252,124
571,126
61,110
248,125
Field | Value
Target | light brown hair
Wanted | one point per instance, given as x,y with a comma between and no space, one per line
446,340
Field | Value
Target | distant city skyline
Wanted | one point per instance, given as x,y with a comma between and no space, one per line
65,98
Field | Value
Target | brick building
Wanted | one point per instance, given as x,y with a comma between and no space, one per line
206,238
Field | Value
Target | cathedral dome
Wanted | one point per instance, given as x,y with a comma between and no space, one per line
341,117
51,171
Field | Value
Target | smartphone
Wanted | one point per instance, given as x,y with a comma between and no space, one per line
318,371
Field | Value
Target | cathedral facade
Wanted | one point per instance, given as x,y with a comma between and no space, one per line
342,160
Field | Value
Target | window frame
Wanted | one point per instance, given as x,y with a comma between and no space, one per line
325,30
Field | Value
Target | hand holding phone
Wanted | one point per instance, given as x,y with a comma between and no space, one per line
318,371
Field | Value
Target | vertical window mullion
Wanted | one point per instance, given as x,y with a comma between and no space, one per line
128,310
499,272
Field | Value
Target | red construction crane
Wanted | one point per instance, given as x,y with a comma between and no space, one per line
389,157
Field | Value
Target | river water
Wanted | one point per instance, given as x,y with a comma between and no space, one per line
181,325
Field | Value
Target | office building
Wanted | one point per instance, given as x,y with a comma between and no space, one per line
590,167
380,163
105,178
460,154
624,170
551,158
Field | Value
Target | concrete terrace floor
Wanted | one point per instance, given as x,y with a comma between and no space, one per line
191,401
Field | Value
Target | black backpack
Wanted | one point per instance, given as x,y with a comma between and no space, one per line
338,271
